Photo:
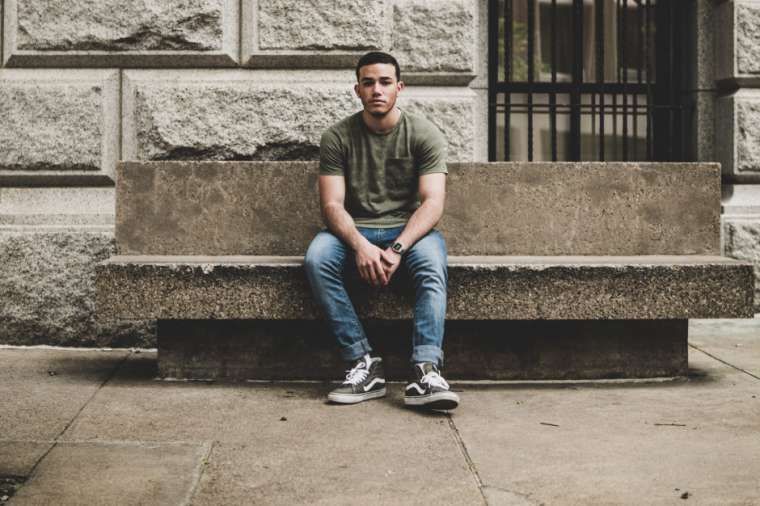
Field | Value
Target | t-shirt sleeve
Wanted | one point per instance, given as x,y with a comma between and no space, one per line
431,152
331,155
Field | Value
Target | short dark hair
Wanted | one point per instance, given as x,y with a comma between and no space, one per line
377,57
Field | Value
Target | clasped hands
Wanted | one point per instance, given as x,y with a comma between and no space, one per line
376,266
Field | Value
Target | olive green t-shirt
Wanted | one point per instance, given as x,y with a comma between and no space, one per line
382,170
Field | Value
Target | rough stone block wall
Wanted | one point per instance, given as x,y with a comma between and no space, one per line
741,227
742,241
737,135
304,25
434,36
48,290
50,240
73,33
232,115
737,26
59,125
86,83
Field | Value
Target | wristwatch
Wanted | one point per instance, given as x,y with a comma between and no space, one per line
398,248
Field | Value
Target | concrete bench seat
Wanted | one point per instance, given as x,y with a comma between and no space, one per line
556,270
480,288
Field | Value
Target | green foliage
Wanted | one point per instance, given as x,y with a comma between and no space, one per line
10,486
520,54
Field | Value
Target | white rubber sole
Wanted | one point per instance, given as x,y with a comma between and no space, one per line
354,398
438,400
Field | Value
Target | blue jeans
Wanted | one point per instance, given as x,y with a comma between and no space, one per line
425,262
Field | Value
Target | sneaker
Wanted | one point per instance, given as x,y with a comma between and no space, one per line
364,381
429,389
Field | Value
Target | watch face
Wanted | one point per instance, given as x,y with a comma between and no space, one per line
397,247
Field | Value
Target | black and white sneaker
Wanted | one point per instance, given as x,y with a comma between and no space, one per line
364,381
429,389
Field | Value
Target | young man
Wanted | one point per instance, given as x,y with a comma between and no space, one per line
382,183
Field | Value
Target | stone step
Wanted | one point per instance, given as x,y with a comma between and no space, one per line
479,288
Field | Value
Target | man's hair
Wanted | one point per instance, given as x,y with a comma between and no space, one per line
377,57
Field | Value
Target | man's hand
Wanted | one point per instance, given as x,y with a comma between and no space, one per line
390,268
373,262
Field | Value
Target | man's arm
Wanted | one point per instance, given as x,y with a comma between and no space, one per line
370,260
432,188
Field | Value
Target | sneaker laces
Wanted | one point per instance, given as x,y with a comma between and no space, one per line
357,374
434,380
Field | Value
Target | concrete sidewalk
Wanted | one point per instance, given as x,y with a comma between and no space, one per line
95,428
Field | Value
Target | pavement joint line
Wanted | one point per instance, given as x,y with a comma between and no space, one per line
721,360
198,475
104,442
42,457
56,440
466,455
108,378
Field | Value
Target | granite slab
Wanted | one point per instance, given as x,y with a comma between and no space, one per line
479,288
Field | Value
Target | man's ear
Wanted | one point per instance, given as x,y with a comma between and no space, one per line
400,86
356,90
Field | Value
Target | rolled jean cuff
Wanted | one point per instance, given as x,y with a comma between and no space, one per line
355,351
427,353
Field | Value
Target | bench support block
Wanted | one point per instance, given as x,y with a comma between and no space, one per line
474,350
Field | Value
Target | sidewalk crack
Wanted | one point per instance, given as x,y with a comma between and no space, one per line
76,415
466,455
721,360
198,475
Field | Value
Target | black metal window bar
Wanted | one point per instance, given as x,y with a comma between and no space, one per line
595,79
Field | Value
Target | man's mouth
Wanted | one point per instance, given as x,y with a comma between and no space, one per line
376,102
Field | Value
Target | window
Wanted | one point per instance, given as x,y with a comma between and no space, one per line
584,80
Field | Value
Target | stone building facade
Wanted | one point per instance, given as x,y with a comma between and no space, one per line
736,90
87,83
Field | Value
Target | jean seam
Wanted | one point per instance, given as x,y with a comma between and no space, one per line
415,320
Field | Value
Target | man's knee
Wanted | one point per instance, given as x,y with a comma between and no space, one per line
427,258
325,252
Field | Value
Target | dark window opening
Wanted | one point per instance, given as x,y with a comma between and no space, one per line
584,80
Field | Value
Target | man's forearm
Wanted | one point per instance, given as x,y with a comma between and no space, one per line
422,221
341,224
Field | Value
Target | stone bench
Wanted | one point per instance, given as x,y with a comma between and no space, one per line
566,270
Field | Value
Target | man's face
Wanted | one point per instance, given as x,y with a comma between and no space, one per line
378,88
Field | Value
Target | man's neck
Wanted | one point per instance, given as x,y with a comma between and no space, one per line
383,124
